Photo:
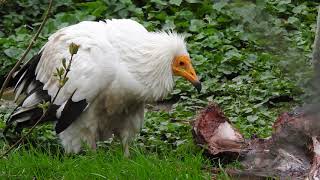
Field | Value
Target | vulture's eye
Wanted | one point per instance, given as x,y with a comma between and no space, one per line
181,63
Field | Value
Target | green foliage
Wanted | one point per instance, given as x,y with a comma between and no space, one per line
253,59
160,134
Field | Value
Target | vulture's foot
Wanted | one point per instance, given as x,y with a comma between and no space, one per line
126,150
125,140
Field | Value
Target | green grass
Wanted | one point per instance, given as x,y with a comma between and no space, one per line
104,164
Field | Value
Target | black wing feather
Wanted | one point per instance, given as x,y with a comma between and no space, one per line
25,82
70,112
27,69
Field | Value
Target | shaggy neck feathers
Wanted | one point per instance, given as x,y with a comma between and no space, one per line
150,63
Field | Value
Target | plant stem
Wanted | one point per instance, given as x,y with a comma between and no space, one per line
8,78
23,137
14,69
44,113
64,77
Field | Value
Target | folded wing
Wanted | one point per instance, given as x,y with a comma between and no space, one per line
93,69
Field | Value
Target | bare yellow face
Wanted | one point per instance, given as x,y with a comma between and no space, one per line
182,66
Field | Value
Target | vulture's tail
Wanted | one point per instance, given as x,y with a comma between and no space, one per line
29,92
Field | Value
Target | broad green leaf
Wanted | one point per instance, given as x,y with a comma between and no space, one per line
13,52
252,118
175,2
196,25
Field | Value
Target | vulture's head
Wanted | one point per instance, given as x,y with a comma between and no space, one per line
180,60
181,66
162,56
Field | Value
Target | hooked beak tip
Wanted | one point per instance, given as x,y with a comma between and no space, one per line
197,85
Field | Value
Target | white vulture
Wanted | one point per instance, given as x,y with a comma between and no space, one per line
118,68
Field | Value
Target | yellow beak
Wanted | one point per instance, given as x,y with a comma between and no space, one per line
182,66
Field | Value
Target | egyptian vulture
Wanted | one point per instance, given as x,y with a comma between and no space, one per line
119,67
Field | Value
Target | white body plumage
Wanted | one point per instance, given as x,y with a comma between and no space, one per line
118,68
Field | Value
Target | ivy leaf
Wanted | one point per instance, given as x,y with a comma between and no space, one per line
193,1
252,118
13,52
293,20
159,2
175,2
196,25
219,5
301,9
169,25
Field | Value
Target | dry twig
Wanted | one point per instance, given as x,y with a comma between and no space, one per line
73,48
4,85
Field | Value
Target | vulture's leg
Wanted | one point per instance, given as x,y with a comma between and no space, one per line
125,140
126,147
94,146
125,143
132,126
